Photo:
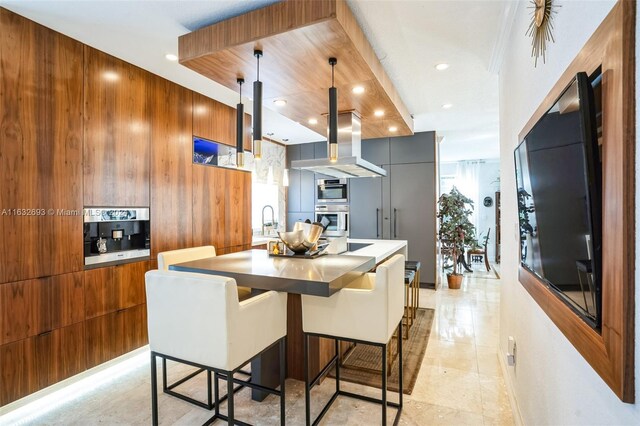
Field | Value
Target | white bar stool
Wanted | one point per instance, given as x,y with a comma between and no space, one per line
198,320
166,259
368,311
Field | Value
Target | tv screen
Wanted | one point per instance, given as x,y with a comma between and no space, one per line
559,189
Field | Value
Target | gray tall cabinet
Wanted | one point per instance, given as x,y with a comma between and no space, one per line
402,204
399,206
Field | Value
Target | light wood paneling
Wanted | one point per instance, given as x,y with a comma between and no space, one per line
297,38
117,132
611,351
171,159
40,150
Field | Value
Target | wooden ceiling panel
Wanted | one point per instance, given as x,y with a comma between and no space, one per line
297,38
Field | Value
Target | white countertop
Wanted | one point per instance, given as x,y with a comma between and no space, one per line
380,249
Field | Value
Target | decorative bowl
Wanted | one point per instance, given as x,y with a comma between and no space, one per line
303,237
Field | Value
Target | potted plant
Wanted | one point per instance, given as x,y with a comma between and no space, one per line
456,230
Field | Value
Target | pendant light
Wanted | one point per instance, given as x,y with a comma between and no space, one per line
240,129
333,115
257,111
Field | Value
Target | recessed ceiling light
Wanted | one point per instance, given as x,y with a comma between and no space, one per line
313,121
280,102
171,57
442,67
393,129
358,90
378,113
446,106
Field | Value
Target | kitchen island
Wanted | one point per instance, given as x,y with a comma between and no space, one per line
322,277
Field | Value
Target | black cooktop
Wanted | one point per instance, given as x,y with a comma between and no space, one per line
356,246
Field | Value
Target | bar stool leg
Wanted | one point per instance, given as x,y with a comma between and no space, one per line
400,371
230,413
283,376
154,391
384,383
307,398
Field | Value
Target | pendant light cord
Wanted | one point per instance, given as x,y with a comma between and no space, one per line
332,68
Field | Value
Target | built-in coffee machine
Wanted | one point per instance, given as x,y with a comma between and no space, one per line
113,235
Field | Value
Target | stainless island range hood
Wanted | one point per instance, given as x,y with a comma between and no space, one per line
349,163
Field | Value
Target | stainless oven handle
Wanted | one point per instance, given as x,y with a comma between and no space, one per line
395,227
377,225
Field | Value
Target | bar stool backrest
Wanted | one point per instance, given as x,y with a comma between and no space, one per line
167,258
390,276
190,315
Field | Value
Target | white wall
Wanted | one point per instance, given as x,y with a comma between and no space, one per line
552,383
487,184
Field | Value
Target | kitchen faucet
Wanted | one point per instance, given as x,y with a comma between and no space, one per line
272,223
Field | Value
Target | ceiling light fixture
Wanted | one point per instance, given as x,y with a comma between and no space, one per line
280,102
313,121
393,129
358,90
447,106
333,115
257,110
378,113
240,129
442,67
171,57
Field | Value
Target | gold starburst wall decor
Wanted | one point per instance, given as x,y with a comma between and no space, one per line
541,27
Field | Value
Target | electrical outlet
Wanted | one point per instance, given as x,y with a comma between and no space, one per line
511,351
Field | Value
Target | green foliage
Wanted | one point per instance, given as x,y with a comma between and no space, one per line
456,230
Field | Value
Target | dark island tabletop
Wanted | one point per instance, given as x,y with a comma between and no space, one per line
322,276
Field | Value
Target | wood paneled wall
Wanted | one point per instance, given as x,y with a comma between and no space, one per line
40,150
80,128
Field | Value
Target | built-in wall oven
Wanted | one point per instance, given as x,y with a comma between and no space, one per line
332,191
335,219
115,235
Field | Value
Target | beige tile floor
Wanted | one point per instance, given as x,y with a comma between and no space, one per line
460,381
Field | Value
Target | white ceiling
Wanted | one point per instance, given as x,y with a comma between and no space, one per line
409,37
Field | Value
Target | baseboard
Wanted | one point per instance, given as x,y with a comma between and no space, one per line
515,408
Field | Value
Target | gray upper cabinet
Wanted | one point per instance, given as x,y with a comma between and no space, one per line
293,192
307,151
418,148
307,191
320,150
293,153
376,151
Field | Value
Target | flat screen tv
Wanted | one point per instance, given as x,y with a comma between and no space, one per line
558,178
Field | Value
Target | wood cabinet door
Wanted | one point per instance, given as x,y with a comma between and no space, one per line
216,122
29,365
237,189
114,288
213,120
129,278
117,132
101,294
109,336
31,307
209,206
40,151
171,170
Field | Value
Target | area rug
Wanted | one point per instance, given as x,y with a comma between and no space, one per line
364,364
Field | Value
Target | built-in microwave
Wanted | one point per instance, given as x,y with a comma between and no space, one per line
335,219
332,191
